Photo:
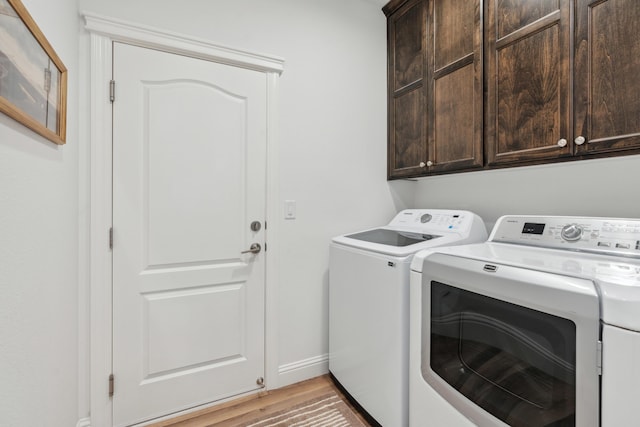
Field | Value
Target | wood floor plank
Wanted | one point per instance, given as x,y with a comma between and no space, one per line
231,413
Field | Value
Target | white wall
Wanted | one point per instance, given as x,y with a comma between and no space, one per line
332,161
39,252
332,128
600,187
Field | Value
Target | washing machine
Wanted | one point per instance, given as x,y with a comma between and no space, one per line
538,326
369,304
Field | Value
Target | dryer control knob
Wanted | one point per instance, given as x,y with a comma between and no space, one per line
571,232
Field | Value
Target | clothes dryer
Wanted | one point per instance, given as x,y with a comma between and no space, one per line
369,304
538,326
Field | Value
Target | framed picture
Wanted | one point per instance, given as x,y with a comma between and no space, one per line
33,79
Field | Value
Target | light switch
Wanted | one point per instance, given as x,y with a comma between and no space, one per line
289,209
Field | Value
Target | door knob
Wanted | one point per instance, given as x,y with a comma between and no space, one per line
254,249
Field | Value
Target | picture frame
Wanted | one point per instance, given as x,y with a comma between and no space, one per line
33,79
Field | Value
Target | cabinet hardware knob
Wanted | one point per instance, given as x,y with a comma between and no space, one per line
429,163
579,140
422,164
562,142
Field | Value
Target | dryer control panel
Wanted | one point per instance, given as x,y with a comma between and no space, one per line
615,236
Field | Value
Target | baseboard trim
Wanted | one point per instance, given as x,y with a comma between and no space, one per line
301,370
84,422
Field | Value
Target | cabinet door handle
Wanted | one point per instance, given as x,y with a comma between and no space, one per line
562,142
579,140
429,163
422,164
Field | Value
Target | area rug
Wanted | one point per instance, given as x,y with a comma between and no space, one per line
328,410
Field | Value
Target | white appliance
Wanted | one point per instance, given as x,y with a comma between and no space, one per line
369,304
538,326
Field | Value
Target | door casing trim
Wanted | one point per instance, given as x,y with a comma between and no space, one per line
103,31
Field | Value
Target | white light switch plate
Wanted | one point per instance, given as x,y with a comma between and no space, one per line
289,209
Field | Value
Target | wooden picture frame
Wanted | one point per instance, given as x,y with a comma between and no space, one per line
33,79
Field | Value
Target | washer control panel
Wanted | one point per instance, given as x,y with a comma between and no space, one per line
599,235
433,220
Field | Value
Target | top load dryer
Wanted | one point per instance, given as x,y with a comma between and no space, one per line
369,304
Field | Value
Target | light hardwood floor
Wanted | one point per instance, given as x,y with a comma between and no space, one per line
263,402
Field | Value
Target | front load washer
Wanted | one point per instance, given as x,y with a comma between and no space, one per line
369,304
538,326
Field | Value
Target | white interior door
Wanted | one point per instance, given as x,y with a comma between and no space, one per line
189,156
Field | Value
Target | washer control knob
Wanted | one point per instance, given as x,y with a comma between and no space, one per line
571,232
425,218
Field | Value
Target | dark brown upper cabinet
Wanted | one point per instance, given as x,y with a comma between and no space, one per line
559,89
499,83
454,91
528,82
435,86
407,114
607,76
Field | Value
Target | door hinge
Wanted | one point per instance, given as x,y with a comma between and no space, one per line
111,238
112,91
111,385
599,357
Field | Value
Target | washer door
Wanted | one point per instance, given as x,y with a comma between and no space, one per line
510,344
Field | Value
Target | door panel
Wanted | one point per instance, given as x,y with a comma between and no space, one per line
454,118
454,98
189,177
167,324
607,65
209,118
516,14
528,96
409,131
407,145
528,93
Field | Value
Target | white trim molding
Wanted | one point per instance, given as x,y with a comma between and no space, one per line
100,345
145,36
84,422
271,233
103,32
301,370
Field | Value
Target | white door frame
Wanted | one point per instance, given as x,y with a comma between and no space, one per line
103,32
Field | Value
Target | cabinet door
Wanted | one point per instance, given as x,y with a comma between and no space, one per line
607,70
454,96
528,115
407,155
